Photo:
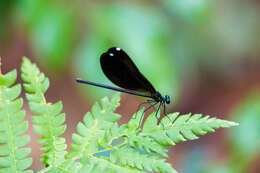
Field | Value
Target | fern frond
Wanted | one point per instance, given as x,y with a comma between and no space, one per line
48,119
13,158
99,136
68,166
104,112
95,136
143,143
94,127
146,144
103,164
178,128
147,162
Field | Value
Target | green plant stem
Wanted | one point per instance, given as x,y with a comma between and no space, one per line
44,170
110,148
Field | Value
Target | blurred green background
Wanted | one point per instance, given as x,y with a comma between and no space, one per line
204,54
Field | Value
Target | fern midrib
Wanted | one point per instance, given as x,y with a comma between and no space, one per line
11,137
53,137
38,88
111,148
189,124
58,167
49,125
114,165
80,154
64,170
94,128
115,146
45,169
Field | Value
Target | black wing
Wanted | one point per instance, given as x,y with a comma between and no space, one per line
120,69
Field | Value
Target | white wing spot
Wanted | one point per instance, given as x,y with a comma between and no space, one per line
111,54
118,49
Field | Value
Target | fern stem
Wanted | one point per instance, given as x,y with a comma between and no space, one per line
111,148
10,133
44,170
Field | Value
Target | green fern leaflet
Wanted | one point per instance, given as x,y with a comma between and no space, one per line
48,119
13,155
99,144
102,146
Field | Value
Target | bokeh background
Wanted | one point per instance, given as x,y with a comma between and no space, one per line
205,54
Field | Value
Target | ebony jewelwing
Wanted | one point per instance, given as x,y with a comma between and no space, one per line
121,70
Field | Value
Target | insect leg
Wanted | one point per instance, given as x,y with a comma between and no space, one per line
164,112
156,115
142,117
146,102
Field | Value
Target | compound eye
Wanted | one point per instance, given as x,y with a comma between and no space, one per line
111,54
167,99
